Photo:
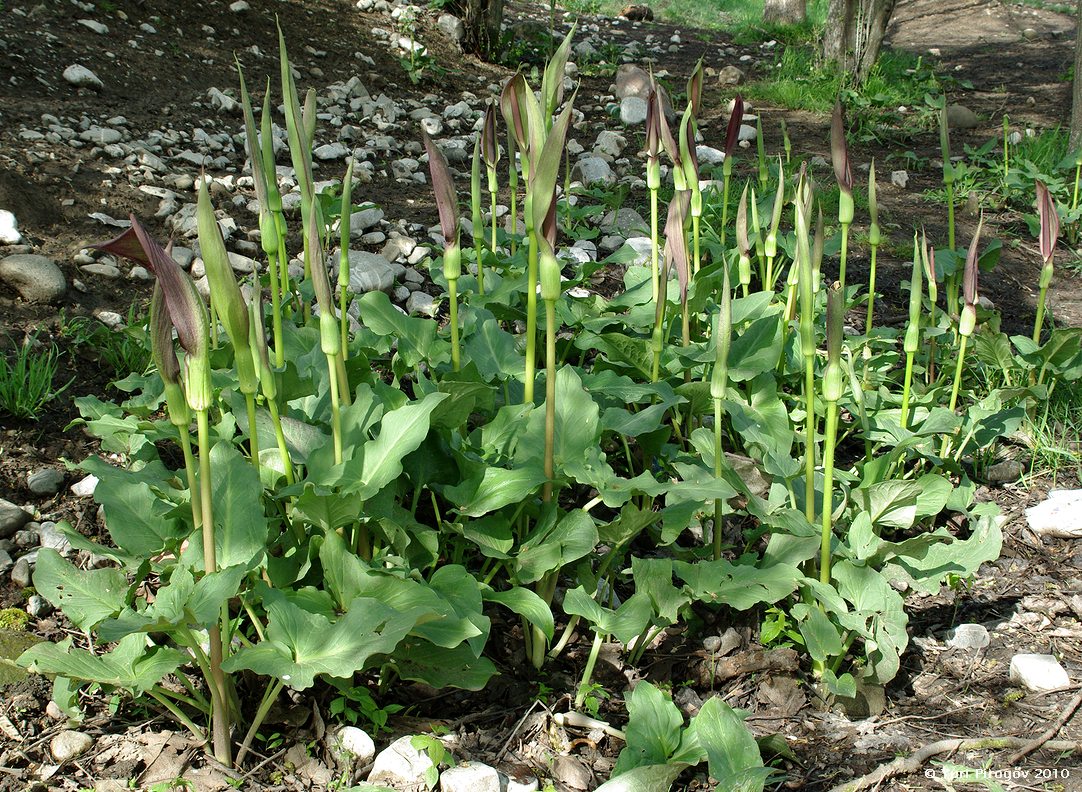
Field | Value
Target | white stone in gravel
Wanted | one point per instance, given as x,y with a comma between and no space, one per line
708,155
899,178
239,7
9,229
361,221
625,221
413,276
594,170
110,319
330,151
102,270
632,111
12,518
1059,515
84,488
69,745
457,110
82,77
222,101
36,278
747,132
730,75
242,264
610,143
350,746
1038,673
50,536
522,784
94,25
401,293
368,271
470,777
20,573
38,607
400,765
641,250
140,274
183,256
5,561
969,636
452,26
44,481
421,303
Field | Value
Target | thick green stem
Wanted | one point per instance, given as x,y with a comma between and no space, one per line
276,308
718,503
724,204
253,433
280,438
156,694
452,297
654,275
958,372
906,388
531,315
809,438
695,242
828,491
588,671
550,396
269,697
336,413
843,256
871,294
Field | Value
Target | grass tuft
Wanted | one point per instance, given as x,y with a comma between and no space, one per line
26,382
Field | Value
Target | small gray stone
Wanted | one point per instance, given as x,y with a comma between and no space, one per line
899,178
707,155
642,250
610,143
82,77
239,7
12,518
45,481
524,783
38,607
401,766
747,132
470,777
969,636
421,303
350,747
452,26
401,293
632,81
108,271
1005,471
369,271
69,745
594,170
364,219
50,536
625,221
101,136
330,151
730,75
5,561
961,117
36,278
20,573
632,111
1038,672
97,27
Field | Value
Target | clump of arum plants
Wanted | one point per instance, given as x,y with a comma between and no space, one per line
1046,210
447,205
839,154
911,341
743,245
967,320
719,380
732,135
833,388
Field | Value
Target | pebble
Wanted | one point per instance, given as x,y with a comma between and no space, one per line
632,111
239,7
84,488
50,536
1059,515
747,132
1038,673
470,777
961,117
594,170
82,77
45,481
97,27
420,303
369,271
5,561
9,229
38,607
351,747
899,178
969,636
400,765
102,270
69,745
452,26
36,278
20,573
610,143
12,518
364,219
642,250
730,75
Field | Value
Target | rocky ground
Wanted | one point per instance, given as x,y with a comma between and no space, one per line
115,107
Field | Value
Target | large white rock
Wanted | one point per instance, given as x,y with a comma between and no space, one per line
82,77
1038,673
368,271
594,170
642,249
350,746
9,229
69,745
36,278
1059,515
470,777
401,766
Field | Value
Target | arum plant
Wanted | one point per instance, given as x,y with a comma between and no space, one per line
719,379
770,244
476,218
231,308
330,341
833,387
807,349
732,135
344,221
967,320
268,232
188,316
839,154
743,246
786,143
874,238
948,183
267,381
761,150
1046,210
676,254
272,229
447,205
690,158
654,117
928,259
512,187
912,331
490,150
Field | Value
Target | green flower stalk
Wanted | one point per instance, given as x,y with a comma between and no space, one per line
188,316
1046,210
512,187
719,379
757,235
690,161
760,147
330,341
732,135
654,112
833,388
267,382
912,331
874,238
967,320
676,254
744,247
476,217
927,255
817,250
948,183
272,228
787,144
770,244
233,312
807,349
839,153
344,220
490,150
447,206
1006,148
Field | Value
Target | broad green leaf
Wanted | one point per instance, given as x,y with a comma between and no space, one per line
401,432
755,348
241,528
555,545
492,350
653,577
890,503
736,585
631,424
763,421
491,534
653,730
821,636
500,436
326,508
577,428
300,646
731,751
87,598
420,661
625,623
525,603
646,778
496,488
417,340
131,665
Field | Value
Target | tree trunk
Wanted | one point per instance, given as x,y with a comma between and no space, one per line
854,34
1076,100
837,36
483,20
785,12
875,29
